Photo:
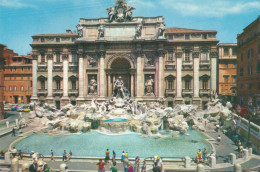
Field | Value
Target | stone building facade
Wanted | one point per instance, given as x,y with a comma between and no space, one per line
248,64
18,79
227,71
173,65
1,81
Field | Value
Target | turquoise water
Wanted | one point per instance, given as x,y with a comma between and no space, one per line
116,119
94,144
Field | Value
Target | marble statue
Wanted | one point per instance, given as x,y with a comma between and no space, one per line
111,13
161,31
92,86
138,32
80,30
92,61
149,60
149,86
119,88
101,31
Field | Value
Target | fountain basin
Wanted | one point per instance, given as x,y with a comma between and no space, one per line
94,144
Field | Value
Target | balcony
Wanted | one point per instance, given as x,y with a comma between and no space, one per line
58,92
170,65
205,64
73,63
42,92
73,92
187,64
170,92
205,92
42,66
57,66
73,66
187,92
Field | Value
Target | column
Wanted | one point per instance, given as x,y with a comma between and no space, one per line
139,76
102,86
213,57
81,77
132,85
50,78
179,78
109,85
65,76
196,69
34,77
160,75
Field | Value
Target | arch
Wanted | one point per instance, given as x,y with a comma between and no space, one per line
170,77
73,78
205,77
188,77
121,56
42,78
57,78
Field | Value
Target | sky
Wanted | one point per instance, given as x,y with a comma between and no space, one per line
20,19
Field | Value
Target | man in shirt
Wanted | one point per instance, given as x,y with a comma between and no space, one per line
113,168
33,167
101,166
14,151
125,164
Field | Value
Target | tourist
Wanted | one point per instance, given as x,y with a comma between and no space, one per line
14,152
20,155
204,155
46,168
205,124
20,129
212,154
101,166
107,156
137,163
33,167
198,156
52,155
13,131
236,139
130,167
64,158
156,167
239,145
125,164
126,154
114,156
114,168
123,156
70,155
66,169
159,162
219,139
2,154
34,156
143,167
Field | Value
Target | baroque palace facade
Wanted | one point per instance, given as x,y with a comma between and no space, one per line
155,63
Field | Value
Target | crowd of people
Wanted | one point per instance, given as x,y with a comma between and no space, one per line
203,156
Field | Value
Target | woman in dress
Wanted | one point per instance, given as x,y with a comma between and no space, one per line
204,154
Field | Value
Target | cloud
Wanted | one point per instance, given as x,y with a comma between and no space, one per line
211,8
15,4
142,3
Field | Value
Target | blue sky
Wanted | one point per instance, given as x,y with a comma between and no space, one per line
20,19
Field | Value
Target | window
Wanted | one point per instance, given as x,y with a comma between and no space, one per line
187,102
204,56
10,69
15,88
187,36
22,69
170,84
42,57
21,88
258,67
250,86
249,70
57,39
73,39
187,84
241,86
204,84
15,69
43,84
58,57
225,78
241,72
225,51
259,86
234,79
73,84
170,55
170,37
226,65
10,88
58,84
42,39
74,58
234,51
250,53
204,36
258,48
241,57
187,56
234,65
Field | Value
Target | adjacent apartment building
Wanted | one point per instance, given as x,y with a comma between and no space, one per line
1,81
18,79
248,64
227,71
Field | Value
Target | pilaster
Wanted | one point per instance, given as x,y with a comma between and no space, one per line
213,58
50,68
102,79
196,66
65,76
179,98
160,74
139,75
81,76
34,77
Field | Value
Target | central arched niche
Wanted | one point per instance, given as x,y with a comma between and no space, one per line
120,63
